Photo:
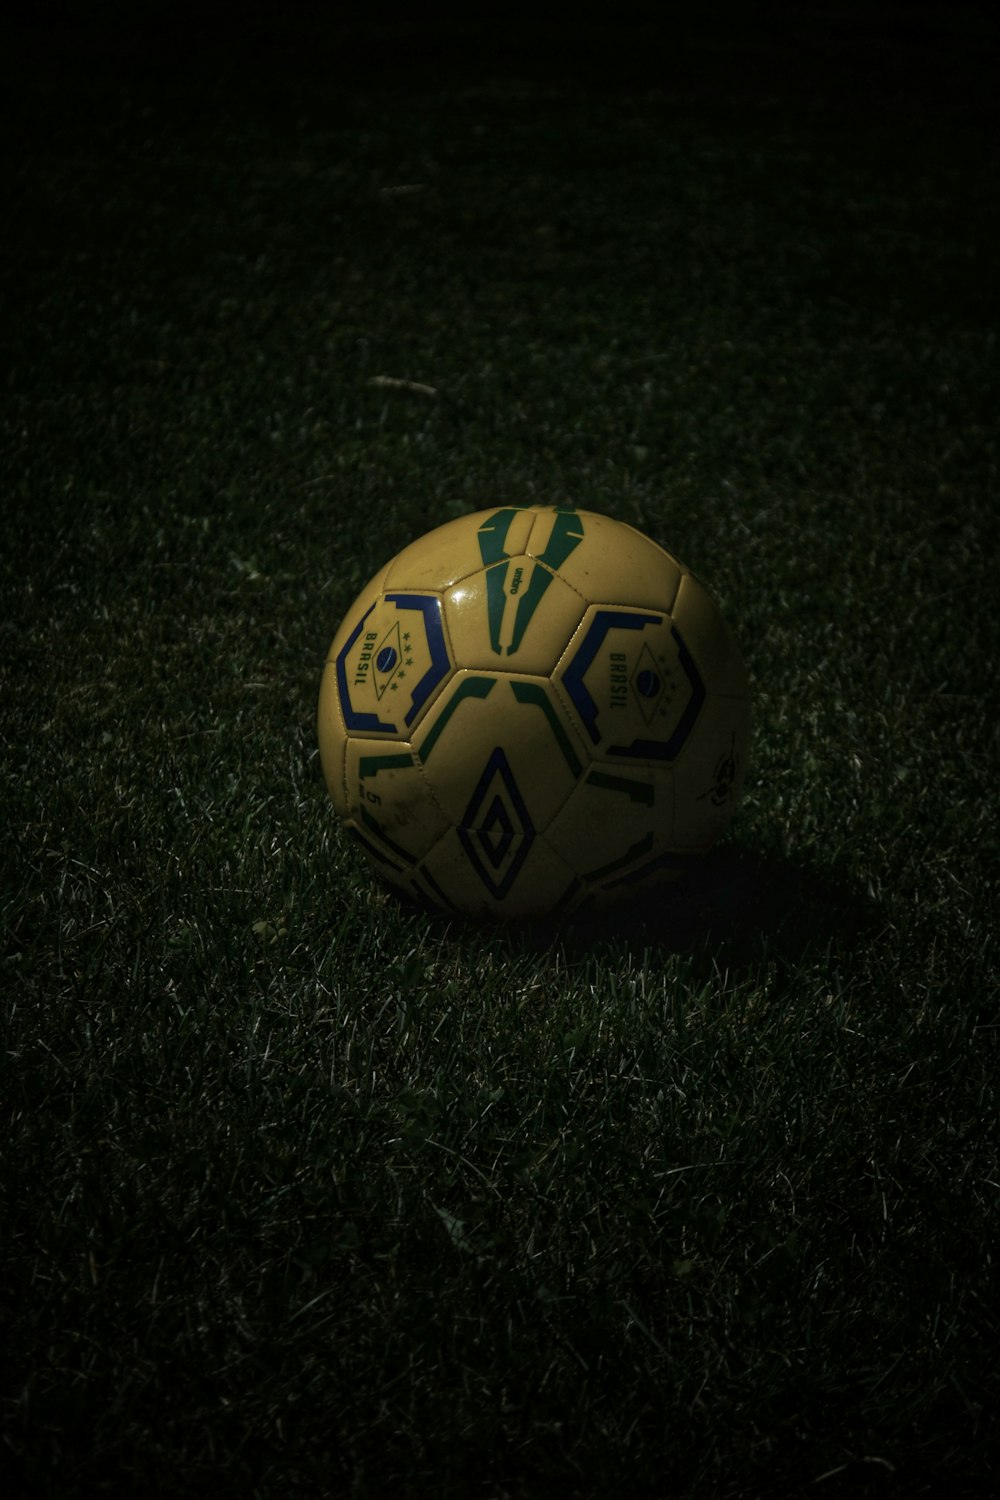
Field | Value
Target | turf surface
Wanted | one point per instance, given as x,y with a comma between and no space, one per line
305,1193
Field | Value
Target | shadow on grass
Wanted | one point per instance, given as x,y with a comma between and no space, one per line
736,908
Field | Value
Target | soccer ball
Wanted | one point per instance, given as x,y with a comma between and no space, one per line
530,707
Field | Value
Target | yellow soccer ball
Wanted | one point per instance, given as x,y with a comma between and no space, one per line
532,707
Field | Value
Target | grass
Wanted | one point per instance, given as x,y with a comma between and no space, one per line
305,1192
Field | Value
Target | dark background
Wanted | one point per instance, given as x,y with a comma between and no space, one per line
853,57
204,1145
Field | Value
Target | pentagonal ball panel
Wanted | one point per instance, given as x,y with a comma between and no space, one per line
515,613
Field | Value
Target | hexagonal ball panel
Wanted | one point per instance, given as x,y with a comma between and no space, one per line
708,777
440,558
709,639
516,613
632,685
501,760
390,800
605,560
391,663
617,820
542,883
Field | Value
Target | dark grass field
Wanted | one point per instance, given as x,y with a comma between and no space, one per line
305,1193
